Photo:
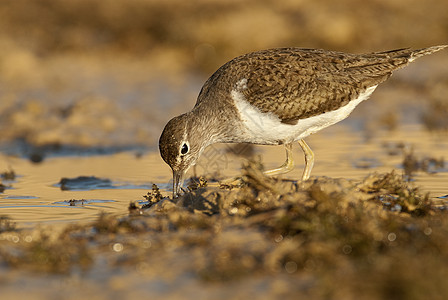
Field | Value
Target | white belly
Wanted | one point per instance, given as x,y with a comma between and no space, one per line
267,129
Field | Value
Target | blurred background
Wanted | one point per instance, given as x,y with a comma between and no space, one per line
108,74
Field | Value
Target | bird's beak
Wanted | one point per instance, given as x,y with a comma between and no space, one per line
178,181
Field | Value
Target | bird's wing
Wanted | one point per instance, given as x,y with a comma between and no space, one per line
295,83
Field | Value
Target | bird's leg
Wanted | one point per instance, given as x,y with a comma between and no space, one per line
309,159
287,166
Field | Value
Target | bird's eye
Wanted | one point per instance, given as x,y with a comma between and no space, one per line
184,149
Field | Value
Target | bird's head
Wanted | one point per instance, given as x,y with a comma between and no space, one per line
180,146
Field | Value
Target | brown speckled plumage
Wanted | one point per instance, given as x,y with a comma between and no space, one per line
296,83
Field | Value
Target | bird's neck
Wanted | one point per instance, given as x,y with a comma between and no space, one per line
216,124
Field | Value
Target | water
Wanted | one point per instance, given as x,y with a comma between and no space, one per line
35,196
108,183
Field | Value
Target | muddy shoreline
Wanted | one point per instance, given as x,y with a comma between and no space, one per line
270,238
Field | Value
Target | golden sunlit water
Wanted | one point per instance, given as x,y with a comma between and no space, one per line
35,197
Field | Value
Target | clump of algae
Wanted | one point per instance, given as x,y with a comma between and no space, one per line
6,224
40,251
379,236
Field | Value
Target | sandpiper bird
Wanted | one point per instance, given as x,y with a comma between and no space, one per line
277,97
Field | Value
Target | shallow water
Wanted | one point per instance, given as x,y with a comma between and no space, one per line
35,196
162,264
108,183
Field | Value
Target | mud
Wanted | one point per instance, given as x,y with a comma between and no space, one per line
271,238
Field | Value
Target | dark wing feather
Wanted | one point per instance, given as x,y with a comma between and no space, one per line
297,84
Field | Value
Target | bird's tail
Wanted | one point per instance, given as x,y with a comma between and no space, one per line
425,51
